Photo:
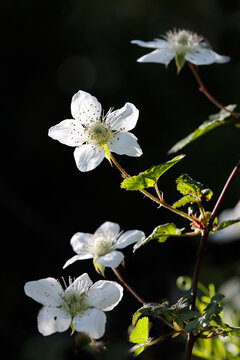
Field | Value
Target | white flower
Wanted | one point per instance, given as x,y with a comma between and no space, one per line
81,305
96,135
231,232
103,244
183,45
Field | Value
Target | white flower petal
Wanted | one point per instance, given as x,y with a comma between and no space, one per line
81,284
85,107
91,322
162,56
105,295
112,259
201,56
221,59
51,320
156,43
109,229
88,157
123,119
128,238
125,143
45,291
68,132
77,257
81,242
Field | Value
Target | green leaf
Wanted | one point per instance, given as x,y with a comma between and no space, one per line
153,309
227,223
207,193
140,333
180,61
210,313
136,317
184,200
187,186
139,348
214,121
188,315
149,177
160,233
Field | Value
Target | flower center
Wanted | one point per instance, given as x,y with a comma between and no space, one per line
99,134
183,41
102,246
73,302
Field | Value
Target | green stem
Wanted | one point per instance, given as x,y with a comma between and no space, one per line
159,201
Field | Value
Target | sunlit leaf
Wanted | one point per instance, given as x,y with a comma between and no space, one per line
187,186
160,233
184,200
227,223
140,333
149,177
214,121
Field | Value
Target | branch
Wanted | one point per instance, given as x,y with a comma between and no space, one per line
205,234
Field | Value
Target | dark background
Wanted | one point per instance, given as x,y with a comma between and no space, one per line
50,50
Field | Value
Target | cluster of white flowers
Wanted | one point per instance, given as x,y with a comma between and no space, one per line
81,305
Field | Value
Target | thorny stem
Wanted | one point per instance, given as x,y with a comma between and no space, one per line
203,89
159,201
132,291
205,233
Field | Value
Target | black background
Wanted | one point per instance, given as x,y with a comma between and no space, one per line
50,50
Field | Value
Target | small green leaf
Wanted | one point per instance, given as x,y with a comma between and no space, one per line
188,315
136,317
160,233
187,186
139,348
184,200
207,193
140,333
149,177
180,61
214,121
227,223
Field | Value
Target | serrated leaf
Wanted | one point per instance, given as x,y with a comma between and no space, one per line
149,177
153,309
214,121
160,233
140,333
227,223
188,315
187,186
184,200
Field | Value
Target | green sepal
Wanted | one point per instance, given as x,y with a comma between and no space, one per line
149,177
100,269
213,121
107,153
187,186
160,233
180,61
